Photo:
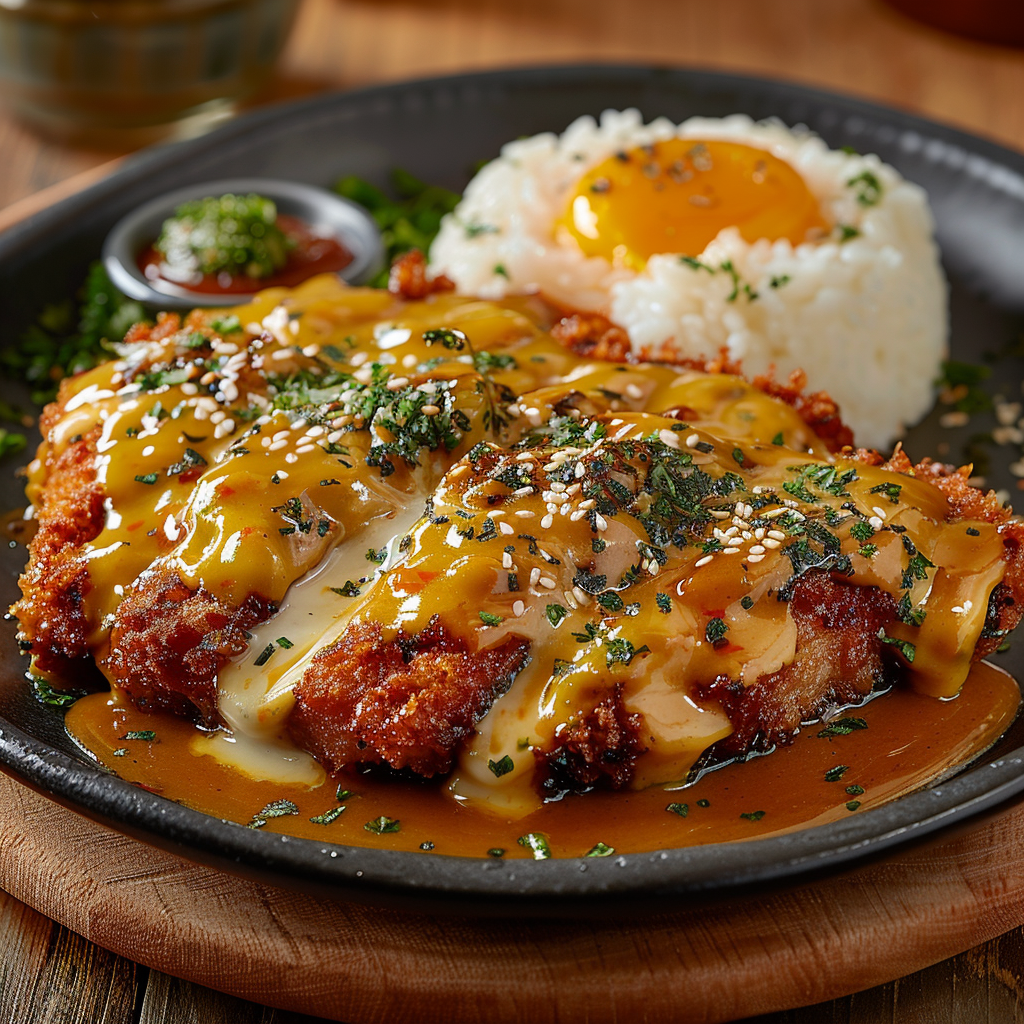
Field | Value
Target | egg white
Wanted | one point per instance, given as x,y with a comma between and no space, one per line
864,317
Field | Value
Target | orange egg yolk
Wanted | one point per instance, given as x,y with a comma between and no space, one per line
675,196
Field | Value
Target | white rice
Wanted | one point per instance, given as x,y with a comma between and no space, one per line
865,318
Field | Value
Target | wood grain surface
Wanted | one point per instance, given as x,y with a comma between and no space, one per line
49,973
363,965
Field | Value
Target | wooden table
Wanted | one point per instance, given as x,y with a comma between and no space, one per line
857,46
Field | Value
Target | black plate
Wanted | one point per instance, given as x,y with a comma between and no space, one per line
439,130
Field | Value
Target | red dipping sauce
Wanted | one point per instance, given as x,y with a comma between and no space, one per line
312,254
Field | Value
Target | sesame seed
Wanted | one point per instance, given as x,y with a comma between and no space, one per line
875,523
770,542
755,558
224,428
397,383
217,416
518,608
522,492
702,561
525,513
148,450
557,487
691,441
759,533
506,560
588,504
276,446
634,391
880,512
575,517
545,523
291,457
730,551
547,582
580,595
600,522
580,471
305,449
719,513
776,534
524,457
430,410
506,528
569,599
188,388
279,355
757,549
534,576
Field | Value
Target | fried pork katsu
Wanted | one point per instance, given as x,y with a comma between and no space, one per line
440,535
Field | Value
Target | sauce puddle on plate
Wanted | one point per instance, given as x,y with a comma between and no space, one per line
866,757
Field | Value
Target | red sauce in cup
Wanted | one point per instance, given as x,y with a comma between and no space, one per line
312,254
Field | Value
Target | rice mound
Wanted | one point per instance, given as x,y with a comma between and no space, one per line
864,317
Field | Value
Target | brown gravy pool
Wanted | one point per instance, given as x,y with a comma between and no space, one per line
910,740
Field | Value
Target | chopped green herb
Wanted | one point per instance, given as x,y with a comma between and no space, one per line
861,531
426,846
555,613
778,439
714,632
350,589
746,602
496,852
738,456
283,641
275,809
46,694
379,826
753,815
502,767
846,232
869,188
146,735
842,727
377,557
600,850
329,816
681,809
146,478
853,805
265,655
490,619
703,803
836,773
121,752
537,844
855,790
907,649
664,602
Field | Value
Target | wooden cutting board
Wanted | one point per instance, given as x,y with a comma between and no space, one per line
364,965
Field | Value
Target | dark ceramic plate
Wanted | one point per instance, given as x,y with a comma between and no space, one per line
439,130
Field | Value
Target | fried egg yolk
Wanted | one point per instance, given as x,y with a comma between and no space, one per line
675,197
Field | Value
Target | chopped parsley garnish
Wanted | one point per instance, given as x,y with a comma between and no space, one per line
600,850
842,727
846,232
502,767
703,803
778,439
853,805
46,694
146,478
146,735
664,602
555,613
861,531
836,773
681,809
190,459
329,816
738,457
490,619
426,846
889,489
350,589
907,649
377,557
855,790
753,815
275,809
746,602
537,844
714,632
383,824
495,852
868,187
265,655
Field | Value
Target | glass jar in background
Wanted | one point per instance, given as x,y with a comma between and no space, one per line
124,73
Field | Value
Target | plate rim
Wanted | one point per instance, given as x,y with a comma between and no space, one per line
408,879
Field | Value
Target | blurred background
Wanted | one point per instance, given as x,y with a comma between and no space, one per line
82,81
